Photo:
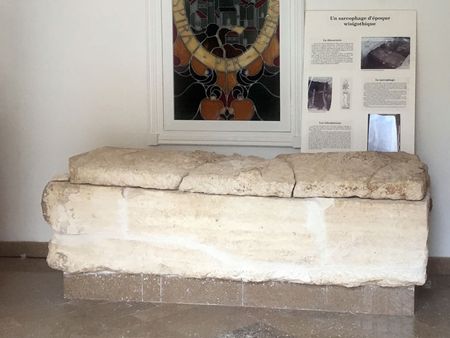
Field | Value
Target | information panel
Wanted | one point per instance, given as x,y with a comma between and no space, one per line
359,81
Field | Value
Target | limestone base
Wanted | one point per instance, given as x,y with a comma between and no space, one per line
274,295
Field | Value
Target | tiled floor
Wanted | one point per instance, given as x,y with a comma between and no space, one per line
32,305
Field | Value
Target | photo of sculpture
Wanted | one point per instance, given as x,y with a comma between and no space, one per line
385,53
320,93
346,94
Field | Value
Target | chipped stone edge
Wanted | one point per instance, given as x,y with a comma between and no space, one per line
424,187
74,177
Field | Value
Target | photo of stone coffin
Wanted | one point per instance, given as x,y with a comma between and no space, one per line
385,53
320,93
226,60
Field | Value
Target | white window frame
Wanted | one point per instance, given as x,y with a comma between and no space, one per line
163,129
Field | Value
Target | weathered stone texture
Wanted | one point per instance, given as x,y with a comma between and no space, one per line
147,168
396,176
202,215
347,242
99,207
242,175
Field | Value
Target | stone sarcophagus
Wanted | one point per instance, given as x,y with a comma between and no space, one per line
340,232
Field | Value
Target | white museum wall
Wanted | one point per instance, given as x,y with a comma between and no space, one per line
73,77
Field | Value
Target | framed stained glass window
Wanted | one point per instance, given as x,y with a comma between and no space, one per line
226,60
228,71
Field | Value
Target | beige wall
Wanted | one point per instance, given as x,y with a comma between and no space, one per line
73,77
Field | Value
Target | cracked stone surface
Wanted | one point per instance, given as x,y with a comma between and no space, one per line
323,241
151,168
395,176
242,175
166,212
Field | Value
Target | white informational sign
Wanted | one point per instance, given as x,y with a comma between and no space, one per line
359,81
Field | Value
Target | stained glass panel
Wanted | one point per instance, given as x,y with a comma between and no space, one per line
226,60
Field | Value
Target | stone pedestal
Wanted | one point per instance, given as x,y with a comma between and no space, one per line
331,232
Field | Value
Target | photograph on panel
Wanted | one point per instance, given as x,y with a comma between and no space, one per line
384,133
346,93
320,93
385,52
